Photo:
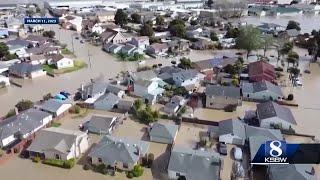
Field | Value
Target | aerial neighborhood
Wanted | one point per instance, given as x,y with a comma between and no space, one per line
186,90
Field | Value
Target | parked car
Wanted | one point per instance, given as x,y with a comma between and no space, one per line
237,152
77,37
222,148
65,93
81,41
298,82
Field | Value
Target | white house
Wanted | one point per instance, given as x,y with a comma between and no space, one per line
271,114
4,81
148,90
72,22
232,132
190,79
23,124
60,61
58,143
97,28
141,42
262,90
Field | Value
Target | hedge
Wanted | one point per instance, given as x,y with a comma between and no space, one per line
67,164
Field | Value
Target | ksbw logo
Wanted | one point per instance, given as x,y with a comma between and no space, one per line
275,152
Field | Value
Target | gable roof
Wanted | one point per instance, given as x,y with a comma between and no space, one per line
94,87
261,86
260,67
101,123
107,101
146,75
186,74
215,62
24,68
144,83
196,164
271,109
55,139
18,41
292,171
114,149
258,131
22,123
163,130
228,91
52,105
231,126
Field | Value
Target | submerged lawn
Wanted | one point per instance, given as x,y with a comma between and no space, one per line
77,66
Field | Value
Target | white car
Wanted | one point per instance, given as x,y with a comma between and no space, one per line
237,152
298,82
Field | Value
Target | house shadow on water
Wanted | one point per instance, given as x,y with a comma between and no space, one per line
160,165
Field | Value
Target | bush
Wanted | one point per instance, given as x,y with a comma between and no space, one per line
12,112
75,109
24,105
137,171
36,159
290,97
86,167
278,69
230,108
130,175
101,168
67,164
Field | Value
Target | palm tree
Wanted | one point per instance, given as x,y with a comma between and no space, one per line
293,58
268,41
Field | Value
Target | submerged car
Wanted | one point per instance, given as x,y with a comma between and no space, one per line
222,148
237,152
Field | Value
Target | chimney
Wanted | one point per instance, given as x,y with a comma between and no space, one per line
16,110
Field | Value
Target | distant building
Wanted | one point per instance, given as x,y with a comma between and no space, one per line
261,70
25,70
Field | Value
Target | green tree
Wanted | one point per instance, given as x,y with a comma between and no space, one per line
185,63
137,105
268,41
24,105
12,112
4,50
30,12
177,28
193,22
294,71
293,58
49,34
121,18
146,30
293,25
160,20
213,36
232,33
249,39
136,18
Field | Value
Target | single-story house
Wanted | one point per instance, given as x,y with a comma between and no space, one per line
194,164
60,61
232,132
93,90
141,42
125,105
37,59
25,70
106,102
163,133
129,49
112,48
121,153
173,106
55,107
158,49
148,90
22,126
262,90
116,90
101,125
271,114
58,143
219,97
190,79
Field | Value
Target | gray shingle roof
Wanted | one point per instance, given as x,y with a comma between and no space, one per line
270,109
186,74
115,89
23,123
114,149
53,138
146,75
255,143
94,88
235,127
52,105
144,83
163,130
99,123
261,86
229,91
258,131
24,68
196,164
291,171
106,101
18,41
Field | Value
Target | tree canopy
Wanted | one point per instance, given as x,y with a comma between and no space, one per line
177,28
185,63
249,39
159,20
136,18
146,30
293,25
293,58
4,50
49,34
232,33
24,105
121,18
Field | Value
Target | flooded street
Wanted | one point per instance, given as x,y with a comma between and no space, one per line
307,22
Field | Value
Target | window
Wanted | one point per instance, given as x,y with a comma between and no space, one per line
99,160
57,156
211,104
125,165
